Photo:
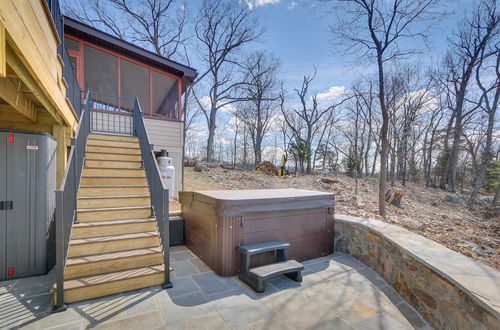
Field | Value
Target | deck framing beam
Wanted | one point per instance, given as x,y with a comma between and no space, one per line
12,93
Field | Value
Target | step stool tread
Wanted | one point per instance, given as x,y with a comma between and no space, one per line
261,247
276,269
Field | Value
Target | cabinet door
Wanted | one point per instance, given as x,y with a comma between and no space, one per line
3,213
24,222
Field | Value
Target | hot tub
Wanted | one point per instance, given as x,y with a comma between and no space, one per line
217,221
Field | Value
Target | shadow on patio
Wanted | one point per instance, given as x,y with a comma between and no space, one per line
337,292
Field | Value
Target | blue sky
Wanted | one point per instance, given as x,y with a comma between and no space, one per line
299,35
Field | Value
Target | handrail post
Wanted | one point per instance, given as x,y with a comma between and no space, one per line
166,237
60,306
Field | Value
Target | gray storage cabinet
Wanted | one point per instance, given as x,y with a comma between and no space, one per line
27,201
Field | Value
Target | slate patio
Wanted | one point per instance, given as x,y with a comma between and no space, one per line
338,292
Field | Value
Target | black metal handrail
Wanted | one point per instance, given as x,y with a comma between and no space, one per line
66,200
111,113
73,90
157,189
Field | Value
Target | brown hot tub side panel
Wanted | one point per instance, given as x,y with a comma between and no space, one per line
214,228
308,232
200,234
229,236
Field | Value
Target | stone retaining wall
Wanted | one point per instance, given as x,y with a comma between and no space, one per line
449,289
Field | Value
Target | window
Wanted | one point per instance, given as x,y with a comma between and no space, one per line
165,95
101,71
72,44
134,82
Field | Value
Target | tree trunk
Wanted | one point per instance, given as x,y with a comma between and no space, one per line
375,159
446,151
244,147
257,154
235,147
452,170
308,151
486,155
210,143
429,160
384,140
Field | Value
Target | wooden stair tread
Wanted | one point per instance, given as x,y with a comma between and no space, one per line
103,209
111,222
114,168
110,153
116,186
111,256
107,146
115,135
107,177
110,238
112,277
108,197
130,139
113,160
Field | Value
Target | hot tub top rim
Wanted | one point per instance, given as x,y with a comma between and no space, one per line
259,196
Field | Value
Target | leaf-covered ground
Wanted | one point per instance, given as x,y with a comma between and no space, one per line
423,210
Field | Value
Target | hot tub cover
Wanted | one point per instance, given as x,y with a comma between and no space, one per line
235,202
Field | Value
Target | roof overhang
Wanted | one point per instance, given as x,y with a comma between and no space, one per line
103,39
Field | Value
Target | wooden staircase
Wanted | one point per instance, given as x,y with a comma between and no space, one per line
115,246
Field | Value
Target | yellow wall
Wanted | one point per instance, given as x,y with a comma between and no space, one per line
31,74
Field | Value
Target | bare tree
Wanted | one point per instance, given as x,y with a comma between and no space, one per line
474,35
261,89
433,123
190,114
222,28
306,120
490,96
156,25
235,124
375,28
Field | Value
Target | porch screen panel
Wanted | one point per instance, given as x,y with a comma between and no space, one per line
72,44
101,71
134,82
165,95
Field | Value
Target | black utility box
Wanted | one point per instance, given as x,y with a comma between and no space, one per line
176,231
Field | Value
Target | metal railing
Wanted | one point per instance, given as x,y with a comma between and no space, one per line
73,91
66,200
111,113
157,189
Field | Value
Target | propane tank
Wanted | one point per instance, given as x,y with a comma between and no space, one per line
167,170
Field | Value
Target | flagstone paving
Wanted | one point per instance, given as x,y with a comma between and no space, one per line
338,292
